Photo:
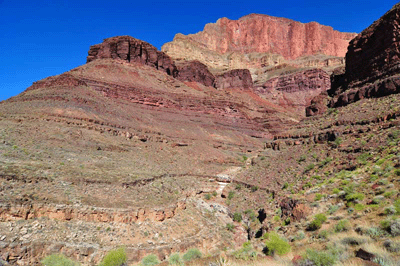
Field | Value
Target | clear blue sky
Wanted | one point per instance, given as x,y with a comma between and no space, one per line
45,38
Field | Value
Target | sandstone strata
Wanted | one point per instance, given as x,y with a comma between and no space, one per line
296,89
257,40
372,62
132,50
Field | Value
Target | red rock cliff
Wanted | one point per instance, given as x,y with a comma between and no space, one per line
257,33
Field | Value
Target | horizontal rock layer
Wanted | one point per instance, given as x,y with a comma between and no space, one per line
258,33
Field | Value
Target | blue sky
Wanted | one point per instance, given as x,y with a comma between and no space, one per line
45,38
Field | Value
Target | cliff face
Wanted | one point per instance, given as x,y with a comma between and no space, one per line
372,62
275,38
130,49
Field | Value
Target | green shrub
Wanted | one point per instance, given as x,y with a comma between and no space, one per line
192,254
230,227
355,196
231,194
317,222
115,257
359,207
323,234
276,245
320,258
150,260
237,217
397,172
58,260
396,205
309,167
342,226
175,259
318,197
207,196
246,252
335,190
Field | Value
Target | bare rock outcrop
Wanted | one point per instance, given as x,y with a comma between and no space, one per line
318,105
257,39
372,62
236,78
195,71
130,49
296,89
300,81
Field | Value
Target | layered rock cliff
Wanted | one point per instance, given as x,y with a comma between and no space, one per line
372,62
130,49
257,40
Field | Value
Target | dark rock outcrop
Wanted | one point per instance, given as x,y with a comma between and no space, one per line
318,105
372,63
195,71
236,78
130,49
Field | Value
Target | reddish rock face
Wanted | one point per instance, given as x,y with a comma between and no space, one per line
257,33
132,50
372,62
301,81
318,105
236,78
195,71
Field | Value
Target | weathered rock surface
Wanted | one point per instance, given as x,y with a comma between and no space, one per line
130,49
295,89
372,62
264,40
195,71
318,105
236,78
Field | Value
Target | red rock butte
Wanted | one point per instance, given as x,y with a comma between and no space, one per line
257,33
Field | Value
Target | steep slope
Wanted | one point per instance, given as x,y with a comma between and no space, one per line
372,62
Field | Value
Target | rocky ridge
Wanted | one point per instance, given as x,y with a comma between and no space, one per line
372,63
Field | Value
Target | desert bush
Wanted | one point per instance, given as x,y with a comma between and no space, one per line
231,194
175,259
317,222
353,241
396,205
354,196
323,234
115,257
342,226
395,228
332,209
237,217
150,260
389,210
276,245
230,227
207,196
318,197
319,258
246,252
375,232
58,260
392,246
192,254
